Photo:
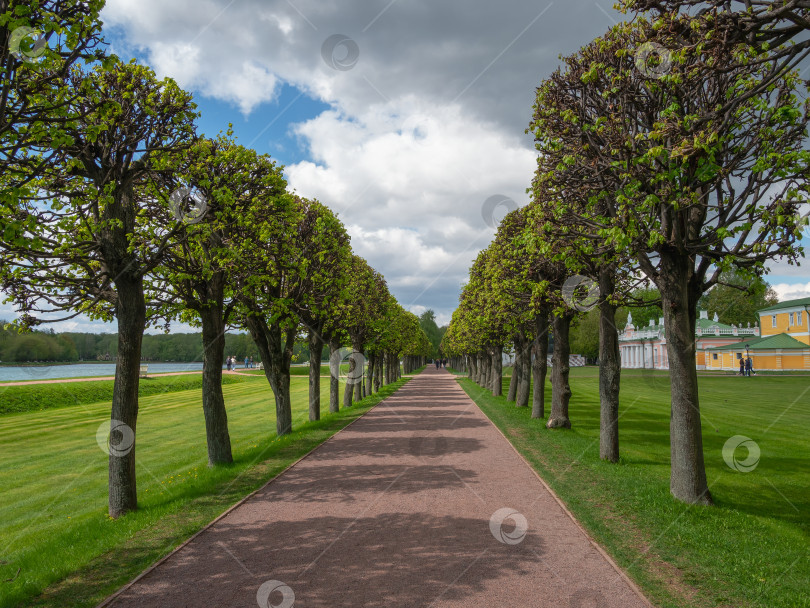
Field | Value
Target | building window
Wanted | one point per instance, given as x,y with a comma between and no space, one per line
773,320
799,320
790,320
714,356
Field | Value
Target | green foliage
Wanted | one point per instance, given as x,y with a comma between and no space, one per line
33,346
645,307
584,335
63,539
748,550
47,346
737,297
434,333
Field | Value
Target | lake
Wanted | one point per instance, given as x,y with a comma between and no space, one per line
80,370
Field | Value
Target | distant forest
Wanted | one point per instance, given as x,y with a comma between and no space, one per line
49,346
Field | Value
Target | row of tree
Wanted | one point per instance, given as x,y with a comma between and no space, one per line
671,151
113,207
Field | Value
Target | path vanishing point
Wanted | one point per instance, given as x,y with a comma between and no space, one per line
421,502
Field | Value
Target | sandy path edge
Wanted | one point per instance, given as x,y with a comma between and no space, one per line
570,515
107,601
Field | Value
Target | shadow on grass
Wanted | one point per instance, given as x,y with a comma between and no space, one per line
166,520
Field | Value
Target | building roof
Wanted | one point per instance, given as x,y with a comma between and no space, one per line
781,341
801,302
705,324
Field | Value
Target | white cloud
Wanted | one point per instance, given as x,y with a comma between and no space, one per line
426,125
792,291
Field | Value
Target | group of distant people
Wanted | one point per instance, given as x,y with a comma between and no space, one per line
440,363
230,363
747,367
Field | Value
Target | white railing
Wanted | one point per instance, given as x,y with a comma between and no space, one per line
652,334
646,334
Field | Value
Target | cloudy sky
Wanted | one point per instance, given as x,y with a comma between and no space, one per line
406,117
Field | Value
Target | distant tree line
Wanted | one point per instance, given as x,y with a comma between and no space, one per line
434,333
51,347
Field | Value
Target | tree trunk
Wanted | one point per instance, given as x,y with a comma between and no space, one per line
334,377
497,371
540,366
560,389
610,370
513,380
524,380
213,401
348,392
357,375
688,474
268,341
486,381
315,352
370,373
378,374
130,313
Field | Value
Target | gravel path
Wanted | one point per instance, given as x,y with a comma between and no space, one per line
421,502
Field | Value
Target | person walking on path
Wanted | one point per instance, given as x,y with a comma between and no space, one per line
420,502
742,366
748,366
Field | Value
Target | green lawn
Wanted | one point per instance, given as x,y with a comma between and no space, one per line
38,397
751,549
55,534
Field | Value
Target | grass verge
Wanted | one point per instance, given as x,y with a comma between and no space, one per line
40,397
750,550
57,544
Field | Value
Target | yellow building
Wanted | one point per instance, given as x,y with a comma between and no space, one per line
784,344
791,317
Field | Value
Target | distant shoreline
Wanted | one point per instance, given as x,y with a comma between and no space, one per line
55,363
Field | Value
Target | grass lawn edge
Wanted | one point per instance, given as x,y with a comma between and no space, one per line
93,582
107,601
625,577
